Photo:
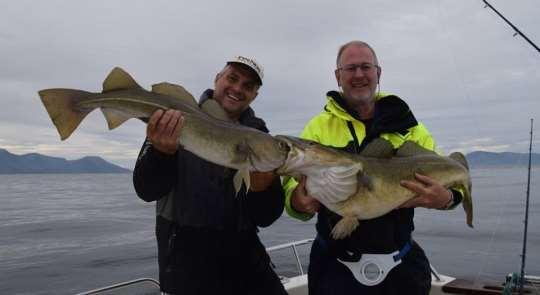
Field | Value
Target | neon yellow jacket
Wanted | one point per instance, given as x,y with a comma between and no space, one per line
330,128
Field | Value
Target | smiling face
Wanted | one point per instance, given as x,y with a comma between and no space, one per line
358,74
235,87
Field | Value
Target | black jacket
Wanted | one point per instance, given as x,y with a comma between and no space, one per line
201,223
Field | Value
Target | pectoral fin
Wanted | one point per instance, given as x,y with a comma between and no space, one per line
335,184
241,176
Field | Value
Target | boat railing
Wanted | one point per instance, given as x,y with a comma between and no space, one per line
294,246
435,273
153,284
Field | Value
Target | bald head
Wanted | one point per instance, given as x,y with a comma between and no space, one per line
358,44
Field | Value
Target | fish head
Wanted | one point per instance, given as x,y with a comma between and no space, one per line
261,151
332,175
304,155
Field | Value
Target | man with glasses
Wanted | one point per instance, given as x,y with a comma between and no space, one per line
351,119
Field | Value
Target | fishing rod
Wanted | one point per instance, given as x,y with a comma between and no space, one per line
517,31
522,276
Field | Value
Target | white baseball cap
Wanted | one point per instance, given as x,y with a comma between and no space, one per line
251,63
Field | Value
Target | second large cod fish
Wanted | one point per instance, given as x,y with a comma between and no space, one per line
367,186
206,132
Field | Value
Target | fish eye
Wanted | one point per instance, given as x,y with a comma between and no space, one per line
283,146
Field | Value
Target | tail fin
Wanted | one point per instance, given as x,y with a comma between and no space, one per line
467,204
465,187
61,104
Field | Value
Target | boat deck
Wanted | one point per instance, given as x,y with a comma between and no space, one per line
462,286
297,285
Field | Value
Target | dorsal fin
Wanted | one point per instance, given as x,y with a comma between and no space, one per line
214,109
409,149
176,91
119,79
460,158
378,148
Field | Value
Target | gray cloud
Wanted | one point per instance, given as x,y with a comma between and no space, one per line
471,82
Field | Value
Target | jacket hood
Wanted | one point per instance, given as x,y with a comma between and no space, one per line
391,113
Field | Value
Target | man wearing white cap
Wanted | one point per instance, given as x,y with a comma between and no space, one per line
206,233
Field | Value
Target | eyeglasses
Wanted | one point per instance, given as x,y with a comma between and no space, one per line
364,67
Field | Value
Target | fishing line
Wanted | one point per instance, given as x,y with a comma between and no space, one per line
459,73
467,96
491,241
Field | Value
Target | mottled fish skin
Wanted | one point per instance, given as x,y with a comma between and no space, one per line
359,187
206,132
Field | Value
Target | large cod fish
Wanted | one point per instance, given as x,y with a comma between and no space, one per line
206,131
367,186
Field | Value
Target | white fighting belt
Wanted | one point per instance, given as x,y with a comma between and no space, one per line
372,269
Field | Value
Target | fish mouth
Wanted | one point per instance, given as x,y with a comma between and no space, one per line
292,141
295,153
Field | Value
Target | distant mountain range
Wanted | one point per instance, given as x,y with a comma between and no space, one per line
37,163
505,159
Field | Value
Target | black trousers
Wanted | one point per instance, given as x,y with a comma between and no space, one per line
200,261
327,276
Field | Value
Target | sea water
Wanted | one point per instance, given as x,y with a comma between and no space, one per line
67,233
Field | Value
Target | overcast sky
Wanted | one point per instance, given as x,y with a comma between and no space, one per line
458,65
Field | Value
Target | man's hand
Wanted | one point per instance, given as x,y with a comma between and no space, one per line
301,201
261,180
163,130
429,193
